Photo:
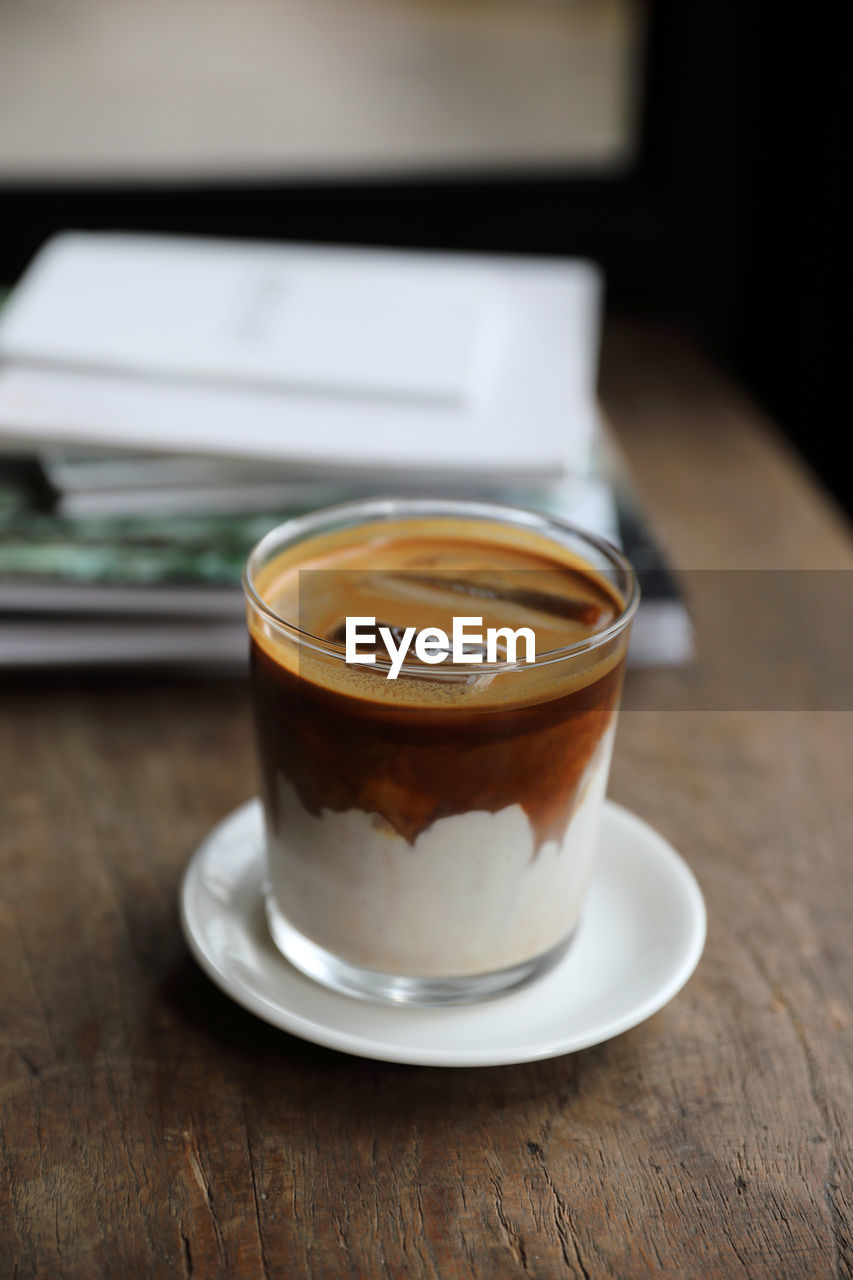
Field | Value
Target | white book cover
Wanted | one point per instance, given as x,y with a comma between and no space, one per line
308,319
500,381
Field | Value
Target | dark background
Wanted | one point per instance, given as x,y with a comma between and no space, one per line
730,222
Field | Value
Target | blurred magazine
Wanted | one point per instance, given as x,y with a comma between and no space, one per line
166,587
173,399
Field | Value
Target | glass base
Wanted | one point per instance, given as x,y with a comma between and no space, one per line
389,988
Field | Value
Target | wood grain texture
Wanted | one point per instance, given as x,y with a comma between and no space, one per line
150,1127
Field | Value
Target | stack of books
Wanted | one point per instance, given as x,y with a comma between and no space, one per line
164,402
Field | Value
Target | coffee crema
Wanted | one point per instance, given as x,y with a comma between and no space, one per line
440,740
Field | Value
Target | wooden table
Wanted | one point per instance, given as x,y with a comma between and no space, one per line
150,1127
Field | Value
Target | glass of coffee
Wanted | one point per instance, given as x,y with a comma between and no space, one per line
432,787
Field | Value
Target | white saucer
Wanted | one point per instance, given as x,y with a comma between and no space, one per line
640,939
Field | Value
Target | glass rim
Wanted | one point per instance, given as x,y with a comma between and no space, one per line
297,528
